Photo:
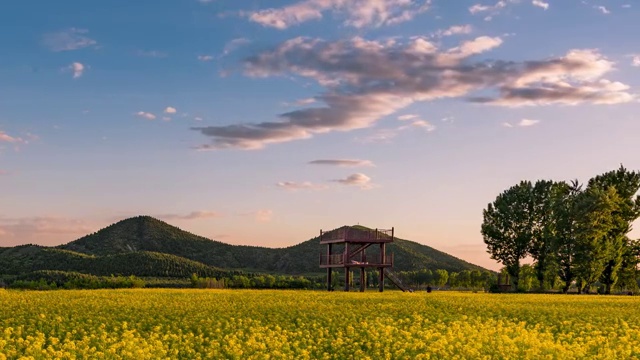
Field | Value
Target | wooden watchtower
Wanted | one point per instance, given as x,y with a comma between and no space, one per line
346,248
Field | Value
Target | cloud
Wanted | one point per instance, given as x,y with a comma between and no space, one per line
527,122
407,117
4,137
166,118
205,58
263,215
366,80
455,30
4,172
479,8
294,186
77,68
152,53
603,10
540,4
194,215
358,13
233,45
360,180
306,101
379,136
66,40
635,61
146,115
343,162
490,11
569,80
170,110
41,230
427,126
522,123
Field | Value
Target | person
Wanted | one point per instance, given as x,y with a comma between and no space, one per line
428,288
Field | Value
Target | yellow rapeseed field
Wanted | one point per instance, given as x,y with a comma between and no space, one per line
253,324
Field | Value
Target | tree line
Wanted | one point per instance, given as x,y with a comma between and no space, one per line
440,278
574,233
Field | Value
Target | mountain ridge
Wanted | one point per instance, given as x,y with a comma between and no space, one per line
175,252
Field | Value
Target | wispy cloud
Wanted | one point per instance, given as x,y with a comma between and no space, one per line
66,40
528,122
77,69
342,162
205,58
194,215
540,4
423,124
358,179
522,123
358,13
4,137
146,115
170,110
294,186
635,60
455,30
4,172
233,45
367,80
379,136
301,102
263,215
407,117
603,9
41,229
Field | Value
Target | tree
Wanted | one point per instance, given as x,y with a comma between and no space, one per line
528,278
595,210
441,277
545,194
626,184
628,275
565,219
507,227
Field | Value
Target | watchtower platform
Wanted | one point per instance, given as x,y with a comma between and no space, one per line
353,242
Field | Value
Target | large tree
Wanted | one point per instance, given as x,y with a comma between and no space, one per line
628,274
626,184
545,194
594,211
566,222
507,227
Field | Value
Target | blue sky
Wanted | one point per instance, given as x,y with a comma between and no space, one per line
261,123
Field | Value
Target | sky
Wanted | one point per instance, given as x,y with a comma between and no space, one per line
262,122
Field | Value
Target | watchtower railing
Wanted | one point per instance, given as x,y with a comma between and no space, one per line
339,259
349,233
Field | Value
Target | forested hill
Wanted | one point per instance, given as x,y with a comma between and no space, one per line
145,246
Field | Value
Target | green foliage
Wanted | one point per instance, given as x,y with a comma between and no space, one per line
626,185
51,280
507,227
572,234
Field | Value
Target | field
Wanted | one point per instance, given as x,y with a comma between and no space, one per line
252,324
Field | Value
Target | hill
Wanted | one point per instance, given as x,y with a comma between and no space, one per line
31,258
145,246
